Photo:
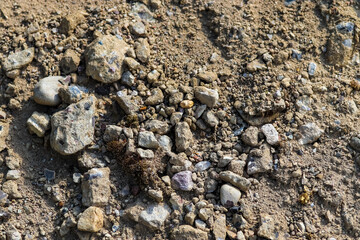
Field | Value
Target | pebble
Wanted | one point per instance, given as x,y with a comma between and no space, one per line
267,227
104,58
199,111
91,220
153,76
148,140
127,103
38,123
132,63
237,166
219,227
255,66
224,161
165,142
310,133
156,195
200,224
187,232
46,91
49,174
260,160
128,79
69,63
142,50
156,97
183,136
175,117
138,28
355,143
112,133
182,181
210,118
186,104
155,215
312,69
240,236
202,166
10,187
145,153
69,22
157,126
236,180
229,195
4,132
207,96
72,129
95,187
271,134
18,60
76,177
71,94
13,175
13,235
207,76
251,136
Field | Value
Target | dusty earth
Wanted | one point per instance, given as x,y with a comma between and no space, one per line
260,51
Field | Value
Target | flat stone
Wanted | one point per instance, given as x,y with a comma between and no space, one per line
157,126
271,134
310,133
187,232
46,91
260,160
155,215
207,96
165,142
72,129
132,63
96,187
210,118
91,220
142,50
104,58
207,76
18,60
182,181
229,195
147,139
38,123
183,136
267,227
236,180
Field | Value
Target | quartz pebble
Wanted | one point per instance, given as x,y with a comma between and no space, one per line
271,134
182,181
229,195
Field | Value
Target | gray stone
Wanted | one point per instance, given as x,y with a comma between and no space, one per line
140,10
165,142
187,232
310,133
145,153
355,143
38,123
155,215
202,166
157,126
156,97
18,60
104,58
142,50
72,129
251,136
46,91
224,161
13,175
96,187
207,96
210,118
147,140
199,111
71,94
128,79
132,63
129,104
88,160
271,134
219,227
312,69
112,133
175,117
153,76
182,181
4,132
211,185
236,180
138,28
229,195
183,136
91,220
260,160
69,62
207,76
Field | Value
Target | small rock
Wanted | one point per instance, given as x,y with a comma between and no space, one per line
156,97
104,58
128,104
96,187
237,166
210,118
240,236
224,161
175,118
147,140
91,220
18,60
4,132
128,79
153,76
69,63
219,227
13,235
156,195
312,69
155,215
69,22
157,126
199,111
187,232
38,123
207,96
200,224
71,94
142,50
310,133
207,76
72,129
267,227
355,143
255,66
145,153
211,185
13,175
132,63
13,162
182,181
260,160
165,143
49,174
183,136
112,133
10,187
138,28
46,91
251,136
76,177
186,104
236,180
202,166
229,195
271,134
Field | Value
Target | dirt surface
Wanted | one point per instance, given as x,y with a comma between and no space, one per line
260,51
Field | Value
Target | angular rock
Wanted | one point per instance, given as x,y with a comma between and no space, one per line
255,66
165,142
260,160
69,22
132,63
251,136
112,133
10,187
182,181
183,136
219,227
69,63
267,227
104,58
96,187
156,97
187,232
18,60
4,132
88,160
142,50
310,133
13,175
71,94
46,91
38,123
207,76
224,161
128,79
138,28
271,134
157,126
236,180
129,104
210,118
91,220
207,96
355,143
145,153
237,166
155,215
153,76
72,129
229,195
148,140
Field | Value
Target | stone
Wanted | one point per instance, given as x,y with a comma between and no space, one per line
207,76
190,218
165,142
156,195
237,166
138,28
355,143
187,232
3,198
142,50
240,236
18,60
13,162
10,187
132,63
72,129
182,181
141,11
88,160
242,183
153,76
13,235
71,94
13,175
267,227
210,118
207,96
200,224
95,187
186,104
255,66
175,118
112,133
104,58
145,153
46,91
155,215
38,123
260,160
156,97
310,133
229,195
69,22
312,69
128,79
202,166
224,161
175,97
251,136
183,136
69,63
147,139
271,134
91,220
129,104
157,126
4,132
211,185
219,227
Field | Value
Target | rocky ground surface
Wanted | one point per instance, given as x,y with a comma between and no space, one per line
180,119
